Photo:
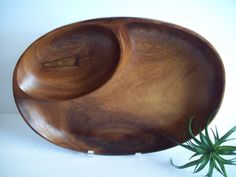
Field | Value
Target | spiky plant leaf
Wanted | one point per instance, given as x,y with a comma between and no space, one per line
209,151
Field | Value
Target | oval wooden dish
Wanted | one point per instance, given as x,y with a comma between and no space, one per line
118,85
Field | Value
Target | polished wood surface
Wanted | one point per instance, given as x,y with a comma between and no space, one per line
118,85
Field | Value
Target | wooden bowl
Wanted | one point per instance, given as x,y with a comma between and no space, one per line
118,85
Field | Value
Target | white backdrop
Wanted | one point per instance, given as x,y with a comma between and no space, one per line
23,21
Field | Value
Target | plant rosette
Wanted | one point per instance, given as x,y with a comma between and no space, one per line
209,151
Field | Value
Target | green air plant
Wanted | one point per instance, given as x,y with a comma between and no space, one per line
209,152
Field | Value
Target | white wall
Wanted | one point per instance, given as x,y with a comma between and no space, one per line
22,22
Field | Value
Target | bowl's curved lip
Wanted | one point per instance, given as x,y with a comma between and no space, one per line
172,25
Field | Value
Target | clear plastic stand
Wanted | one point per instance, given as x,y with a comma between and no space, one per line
90,153
138,154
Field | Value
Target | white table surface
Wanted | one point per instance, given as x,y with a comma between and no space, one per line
25,154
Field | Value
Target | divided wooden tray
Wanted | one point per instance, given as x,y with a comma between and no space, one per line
118,85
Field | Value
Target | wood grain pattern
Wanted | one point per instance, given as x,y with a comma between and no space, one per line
118,85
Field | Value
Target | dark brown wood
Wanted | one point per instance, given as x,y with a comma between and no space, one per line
118,85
